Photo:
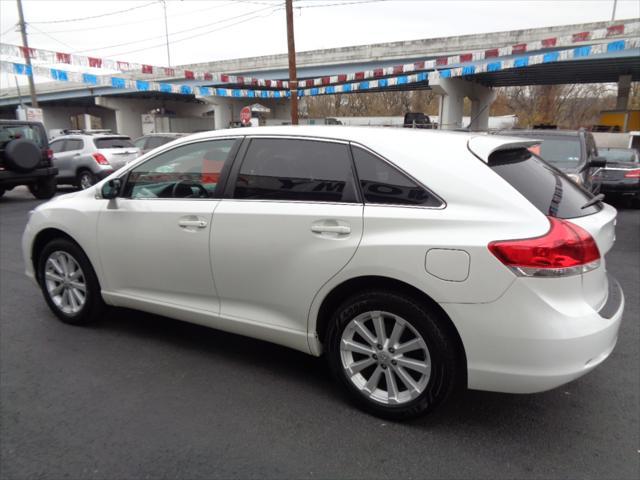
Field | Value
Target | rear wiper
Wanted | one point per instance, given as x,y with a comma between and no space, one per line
598,198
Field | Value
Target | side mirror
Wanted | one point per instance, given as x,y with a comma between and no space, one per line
598,162
111,189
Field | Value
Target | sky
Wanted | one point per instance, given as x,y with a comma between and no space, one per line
208,30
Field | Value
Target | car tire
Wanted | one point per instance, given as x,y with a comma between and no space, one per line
69,283
44,189
22,155
2,190
85,179
388,378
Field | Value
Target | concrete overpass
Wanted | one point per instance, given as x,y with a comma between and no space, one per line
454,67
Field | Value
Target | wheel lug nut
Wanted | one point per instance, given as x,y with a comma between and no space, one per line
384,367
379,347
393,362
392,350
375,357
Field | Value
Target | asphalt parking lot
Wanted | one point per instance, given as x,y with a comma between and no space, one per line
141,396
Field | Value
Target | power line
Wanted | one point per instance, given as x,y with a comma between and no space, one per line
275,9
339,4
52,38
97,16
145,20
175,33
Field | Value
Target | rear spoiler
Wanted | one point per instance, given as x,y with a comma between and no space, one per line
483,146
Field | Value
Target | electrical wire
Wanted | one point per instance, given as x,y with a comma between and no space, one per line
275,9
121,24
98,16
52,38
338,4
191,29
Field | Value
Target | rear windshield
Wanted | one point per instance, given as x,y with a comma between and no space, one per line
113,142
619,154
30,132
563,152
548,189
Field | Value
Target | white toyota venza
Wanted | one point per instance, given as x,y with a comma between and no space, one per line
417,262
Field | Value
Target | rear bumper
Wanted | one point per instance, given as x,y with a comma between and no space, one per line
623,187
10,178
528,341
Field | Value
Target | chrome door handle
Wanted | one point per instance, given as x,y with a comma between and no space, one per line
339,229
198,223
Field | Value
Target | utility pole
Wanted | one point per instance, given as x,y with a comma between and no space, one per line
27,54
293,81
166,31
613,14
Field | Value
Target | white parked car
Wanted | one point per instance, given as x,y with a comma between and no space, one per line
418,262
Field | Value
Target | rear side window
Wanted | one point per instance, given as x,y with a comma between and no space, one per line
548,189
73,144
153,142
56,147
113,142
383,184
301,170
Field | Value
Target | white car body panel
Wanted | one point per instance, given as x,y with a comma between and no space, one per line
257,269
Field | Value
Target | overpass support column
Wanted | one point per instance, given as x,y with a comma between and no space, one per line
224,111
624,87
453,92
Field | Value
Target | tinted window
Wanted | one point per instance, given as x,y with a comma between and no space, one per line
619,154
153,142
381,183
56,147
304,170
139,142
563,152
544,186
74,144
188,171
113,142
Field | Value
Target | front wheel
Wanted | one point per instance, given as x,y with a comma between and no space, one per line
69,283
392,354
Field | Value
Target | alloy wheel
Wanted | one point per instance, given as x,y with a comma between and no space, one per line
385,357
65,282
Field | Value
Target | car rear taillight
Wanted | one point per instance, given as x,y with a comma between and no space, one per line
566,249
633,173
49,154
101,159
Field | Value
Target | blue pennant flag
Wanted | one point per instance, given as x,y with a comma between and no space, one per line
403,79
494,67
383,82
582,51
314,91
60,75
118,82
330,89
89,78
363,86
445,73
186,90
469,70
21,69
346,87
165,87
550,57
615,46
142,85
521,62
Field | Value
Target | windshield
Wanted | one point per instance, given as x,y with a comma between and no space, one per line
11,132
564,152
113,142
619,155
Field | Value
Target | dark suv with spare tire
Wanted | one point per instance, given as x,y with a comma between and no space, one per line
25,158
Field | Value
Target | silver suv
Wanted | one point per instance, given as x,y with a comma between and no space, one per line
86,157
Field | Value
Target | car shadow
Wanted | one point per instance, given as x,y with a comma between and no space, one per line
468,408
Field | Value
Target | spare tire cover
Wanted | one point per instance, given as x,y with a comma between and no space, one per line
22,155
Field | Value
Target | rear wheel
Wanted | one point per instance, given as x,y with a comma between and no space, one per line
69,283
85,179
392,354
44,189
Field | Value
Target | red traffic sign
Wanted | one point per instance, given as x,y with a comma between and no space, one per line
245,115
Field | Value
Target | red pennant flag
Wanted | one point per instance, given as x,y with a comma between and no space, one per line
492,53
169,72
615,30
31,52
398,69
342,78
95,62
326,80
147,69
208,76
418,65
63,57
442,61
123,65
378,72
519,48
224,78
359,76
189,75
549,42
581,37
466,57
